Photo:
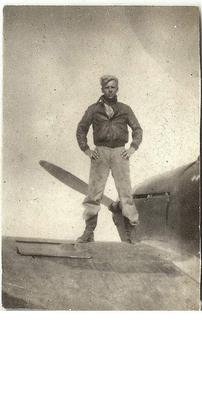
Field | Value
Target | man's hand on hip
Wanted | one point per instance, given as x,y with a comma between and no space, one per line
127,153
92,154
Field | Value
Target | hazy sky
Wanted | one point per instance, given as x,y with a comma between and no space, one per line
53,59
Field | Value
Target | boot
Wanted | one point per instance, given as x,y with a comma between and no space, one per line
88,234
130,231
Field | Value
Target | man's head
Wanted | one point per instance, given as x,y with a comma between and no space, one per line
109,84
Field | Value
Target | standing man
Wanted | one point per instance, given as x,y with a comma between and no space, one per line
110,120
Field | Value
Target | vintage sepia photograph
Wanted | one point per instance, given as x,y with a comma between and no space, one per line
101,158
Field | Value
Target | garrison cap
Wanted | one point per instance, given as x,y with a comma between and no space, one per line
106,78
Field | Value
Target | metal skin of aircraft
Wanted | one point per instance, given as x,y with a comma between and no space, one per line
159,271
168,206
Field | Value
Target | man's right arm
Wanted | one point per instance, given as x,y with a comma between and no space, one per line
83,128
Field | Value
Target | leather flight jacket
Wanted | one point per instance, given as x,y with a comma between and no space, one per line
109,131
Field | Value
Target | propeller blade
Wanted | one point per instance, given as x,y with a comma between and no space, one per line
70,180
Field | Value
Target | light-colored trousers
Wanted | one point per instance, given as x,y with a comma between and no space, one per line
110,159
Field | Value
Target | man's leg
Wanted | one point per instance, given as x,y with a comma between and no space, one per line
121,175
99,173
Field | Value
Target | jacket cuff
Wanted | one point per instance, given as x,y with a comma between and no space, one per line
85,148
134,145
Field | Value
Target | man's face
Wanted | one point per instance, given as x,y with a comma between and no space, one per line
110,89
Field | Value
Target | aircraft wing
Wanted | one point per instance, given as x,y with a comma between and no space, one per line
96,276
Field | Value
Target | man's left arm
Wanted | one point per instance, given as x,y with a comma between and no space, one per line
136,134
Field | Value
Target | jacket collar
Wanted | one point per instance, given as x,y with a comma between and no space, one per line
109,102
